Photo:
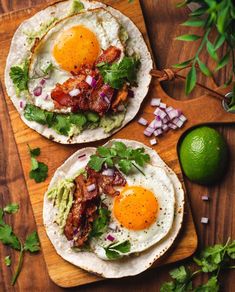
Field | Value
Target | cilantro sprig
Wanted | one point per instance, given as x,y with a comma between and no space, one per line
20,76
101,223
8,237
38,170
115,250
211,260
117,74
125,158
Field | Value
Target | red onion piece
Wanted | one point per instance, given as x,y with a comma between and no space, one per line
155,101
153,141
45,97
162,105
143,121
102,94
106,100
113,226
91,81
147,133
205,198
165,120
168,109
204,220
174,114
43,81
160,113
22,104
182,118
177,122
82,156
108,172
110,237
74,92
158,123
165,128
37,91
91,187
157,132
172,126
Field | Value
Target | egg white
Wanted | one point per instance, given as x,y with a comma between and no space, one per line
99,21
157,181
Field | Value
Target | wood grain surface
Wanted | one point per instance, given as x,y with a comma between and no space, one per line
220,209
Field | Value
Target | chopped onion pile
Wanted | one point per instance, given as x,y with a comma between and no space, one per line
166,117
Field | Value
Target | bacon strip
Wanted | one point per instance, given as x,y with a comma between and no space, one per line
110,55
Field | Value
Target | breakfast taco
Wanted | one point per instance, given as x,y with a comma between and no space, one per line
113,210
77,71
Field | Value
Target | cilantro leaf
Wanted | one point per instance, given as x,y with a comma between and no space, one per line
181,274
7,261
32,242
34,163
231,250
211,286
40,173
19,76
33,113
11,208
117,74
101,222
115,250
96,162
125,166
7,237
1,216
35,152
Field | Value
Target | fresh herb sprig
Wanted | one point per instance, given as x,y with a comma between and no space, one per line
20,76
101,223
39,170
125,158
8,237
213,14
211,260
117,74
115,250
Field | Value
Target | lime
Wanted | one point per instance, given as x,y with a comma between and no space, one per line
204,155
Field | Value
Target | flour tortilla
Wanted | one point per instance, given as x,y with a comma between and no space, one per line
128,266
20,50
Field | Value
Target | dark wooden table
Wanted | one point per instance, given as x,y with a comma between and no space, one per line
162,19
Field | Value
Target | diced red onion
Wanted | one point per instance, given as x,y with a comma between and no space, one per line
108,172
37,91
148,133
162,105
91,187
150,129
165,127
174,114
43,81
182,118
168,109
91,81
177,122
160,113
204,220
143,121
165,120
82,156
113,226
153,141
74,92
22,104
157,132
155,101
110,237
158,123
172,126
106,99
102,94
130,93
205,198
46,97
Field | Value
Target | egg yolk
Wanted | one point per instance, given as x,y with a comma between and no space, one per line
135,208
75,47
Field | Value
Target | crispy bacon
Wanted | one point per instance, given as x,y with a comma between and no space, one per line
110,55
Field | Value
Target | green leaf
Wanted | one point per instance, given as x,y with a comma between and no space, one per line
101,222
205,70
11,208
120,147
188,37
219,41
191,80
35,152
32,243
40,173
103,151
77,6
34,163
1,216
7,261
115,250
231,247
198,12
96,162
180,274
223,61
222,19
194,22
211,286
125,166
19,76
7,237
211,51
168,287
183,64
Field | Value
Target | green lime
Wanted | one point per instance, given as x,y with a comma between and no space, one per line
204,155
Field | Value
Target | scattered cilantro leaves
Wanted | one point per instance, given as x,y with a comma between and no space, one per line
11,208
115,250
39,170
19,76
8,237
32,242
212,259
101,222
125,158
7,261
117,74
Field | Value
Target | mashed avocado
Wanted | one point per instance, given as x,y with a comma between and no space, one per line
76,7
110,122
62,197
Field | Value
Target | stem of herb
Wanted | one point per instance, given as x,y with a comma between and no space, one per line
196,272
137,168
19,266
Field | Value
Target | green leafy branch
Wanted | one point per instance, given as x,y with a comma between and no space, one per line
38,170
211,260
219,15
8,237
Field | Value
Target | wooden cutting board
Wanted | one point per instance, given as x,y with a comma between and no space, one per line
204,109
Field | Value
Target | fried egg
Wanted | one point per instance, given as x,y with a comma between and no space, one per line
72,42
143,213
